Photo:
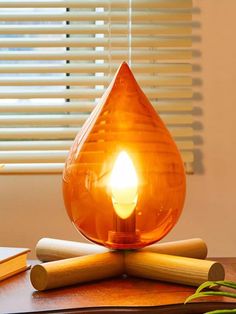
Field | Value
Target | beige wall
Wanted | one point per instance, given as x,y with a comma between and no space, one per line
32,206
210,210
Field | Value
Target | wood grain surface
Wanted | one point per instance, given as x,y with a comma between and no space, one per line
116,295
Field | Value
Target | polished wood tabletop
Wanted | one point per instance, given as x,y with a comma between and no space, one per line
116,295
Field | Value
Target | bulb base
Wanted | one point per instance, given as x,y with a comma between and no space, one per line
120,240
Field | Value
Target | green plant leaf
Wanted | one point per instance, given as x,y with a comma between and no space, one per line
212,284
207,284
210,293
229,284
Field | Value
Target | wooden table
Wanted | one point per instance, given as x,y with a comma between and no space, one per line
119,295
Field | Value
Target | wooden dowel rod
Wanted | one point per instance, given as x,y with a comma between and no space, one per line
148,265
171,268
76,270
194,248
48,249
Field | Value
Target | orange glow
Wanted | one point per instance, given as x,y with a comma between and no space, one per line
124,180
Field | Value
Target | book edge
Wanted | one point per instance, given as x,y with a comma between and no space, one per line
24,251
15,272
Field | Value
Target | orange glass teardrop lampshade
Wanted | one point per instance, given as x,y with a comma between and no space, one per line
124,180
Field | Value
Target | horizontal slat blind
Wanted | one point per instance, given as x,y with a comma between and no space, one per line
139,17
163,29
93,4
157,54
57,58
96,68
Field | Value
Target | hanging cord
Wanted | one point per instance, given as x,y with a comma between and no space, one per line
130,33
109,38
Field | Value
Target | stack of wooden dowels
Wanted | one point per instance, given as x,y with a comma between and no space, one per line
69,263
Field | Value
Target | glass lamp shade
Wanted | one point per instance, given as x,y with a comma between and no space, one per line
124,180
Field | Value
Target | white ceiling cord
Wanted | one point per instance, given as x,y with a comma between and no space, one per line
130,33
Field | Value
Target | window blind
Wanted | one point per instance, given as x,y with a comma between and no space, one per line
57,58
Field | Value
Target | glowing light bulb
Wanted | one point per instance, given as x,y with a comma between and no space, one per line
124,186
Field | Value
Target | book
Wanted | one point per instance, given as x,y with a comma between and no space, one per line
12,261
